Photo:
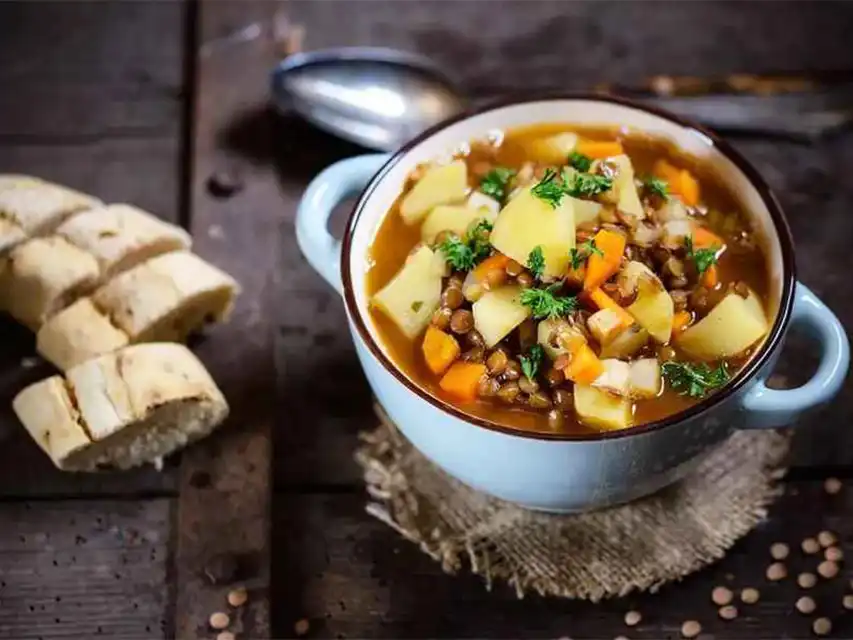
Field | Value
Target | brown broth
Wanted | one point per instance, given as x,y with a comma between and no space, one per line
394,240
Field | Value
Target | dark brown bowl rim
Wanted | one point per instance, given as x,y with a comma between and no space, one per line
743,377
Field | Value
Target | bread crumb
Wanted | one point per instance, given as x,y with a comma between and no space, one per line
729,612
832,485
826,538
219,620
721,596
237,597
805,605
301,627
776,571
822,626
750,595
632,618
827,569
806,580
834,554
225,635
810,546
691,629
847,602
779,551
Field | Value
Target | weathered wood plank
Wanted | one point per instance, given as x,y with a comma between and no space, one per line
225,481
84,569
353,577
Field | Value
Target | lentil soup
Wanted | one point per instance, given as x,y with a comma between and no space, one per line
564,279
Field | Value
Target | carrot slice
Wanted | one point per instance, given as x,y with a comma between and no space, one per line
680,181
665,171
440,349
704,238
462,380
599,268
598,149
710,277
497,261
604,301
584,366
681,321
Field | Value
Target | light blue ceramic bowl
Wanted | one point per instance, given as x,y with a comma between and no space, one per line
554,472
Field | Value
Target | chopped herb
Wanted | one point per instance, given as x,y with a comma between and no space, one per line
702,258
458,254
536,262
694,380
478,240
416,305
531,362
544,303
549,189
495,183
578,255
657,187
587,184
579,161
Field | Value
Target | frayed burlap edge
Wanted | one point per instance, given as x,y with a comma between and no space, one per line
639,546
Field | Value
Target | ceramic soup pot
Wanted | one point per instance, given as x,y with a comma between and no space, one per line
560,472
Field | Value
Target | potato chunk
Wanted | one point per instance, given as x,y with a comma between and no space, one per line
498,312
445,184
553,149
730,328
615,377
644,378
528,222
598,408
626,343
553,333
653,309
414,294
452,218
604,325
624,192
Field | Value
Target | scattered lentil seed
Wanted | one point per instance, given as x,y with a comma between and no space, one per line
834,554
810,546
729,612
721,596
806,605
822,626
827,569
237,597
691,629
826,539
847,602
225,635
806,580
621,638
301,627
632,618
749,595
779,551
832,485
219,620
776,571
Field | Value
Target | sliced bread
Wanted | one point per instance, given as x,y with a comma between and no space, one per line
124,409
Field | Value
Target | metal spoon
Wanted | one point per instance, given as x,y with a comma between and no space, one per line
382,98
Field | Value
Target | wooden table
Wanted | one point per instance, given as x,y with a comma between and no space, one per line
143,102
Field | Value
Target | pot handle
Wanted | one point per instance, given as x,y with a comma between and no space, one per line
331,187
774,407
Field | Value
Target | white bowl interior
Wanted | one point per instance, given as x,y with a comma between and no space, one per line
572,112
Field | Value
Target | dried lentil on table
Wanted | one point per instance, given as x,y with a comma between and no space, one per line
728,612
633,618
822,626
750,595
301,627
826,538
832,485
691,629
834,554
847,602
721,596
805,605
219,620
237,597
777,571
827,569
779,551
810,546
806,580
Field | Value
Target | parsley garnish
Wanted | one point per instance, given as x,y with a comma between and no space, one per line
579,255
579,161
657,187
694,380
478,240
458,254
588,184
544,304
530,363
495,183
536,262
702,258
551,189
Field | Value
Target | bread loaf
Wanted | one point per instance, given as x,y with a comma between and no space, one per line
123,409
42,276
164,299
32,207
121,236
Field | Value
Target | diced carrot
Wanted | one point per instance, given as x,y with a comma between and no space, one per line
440,349
584,366
462,380
704,238
497,261
604,301
688,188
598,149
599,268
681,321
710,277
665,171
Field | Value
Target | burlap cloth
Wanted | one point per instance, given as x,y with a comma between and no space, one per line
639,546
